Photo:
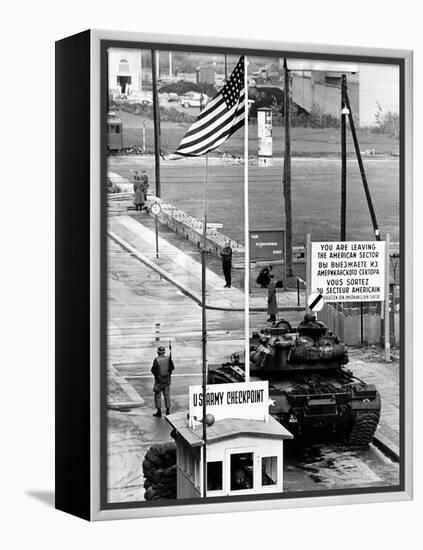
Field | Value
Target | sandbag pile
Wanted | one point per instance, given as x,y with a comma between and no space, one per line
159,468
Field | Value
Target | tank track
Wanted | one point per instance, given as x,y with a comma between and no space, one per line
364,428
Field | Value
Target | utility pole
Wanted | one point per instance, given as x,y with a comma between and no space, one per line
140,72
287,170
156,115
362,171
344,112
204,329
170,64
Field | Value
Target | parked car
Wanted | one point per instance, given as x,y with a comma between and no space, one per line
172,97
146,99
194,100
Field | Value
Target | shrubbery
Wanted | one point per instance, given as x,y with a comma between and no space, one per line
168,114
386,123
300,117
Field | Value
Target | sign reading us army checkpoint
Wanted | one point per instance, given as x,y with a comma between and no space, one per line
351,271
247,400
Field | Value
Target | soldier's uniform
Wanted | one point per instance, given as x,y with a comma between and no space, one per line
162,371
272,306
226,256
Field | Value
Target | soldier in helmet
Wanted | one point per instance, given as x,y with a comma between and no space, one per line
162,370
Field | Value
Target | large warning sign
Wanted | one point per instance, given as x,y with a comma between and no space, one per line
348,271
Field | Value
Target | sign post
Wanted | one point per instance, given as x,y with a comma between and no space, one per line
386,319
268,246
264,131
351,271
156,209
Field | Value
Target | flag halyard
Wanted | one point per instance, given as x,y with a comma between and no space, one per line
222,117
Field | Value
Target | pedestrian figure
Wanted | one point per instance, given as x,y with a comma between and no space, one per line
272,305
145,186
138,192
162,371
226,256
263,278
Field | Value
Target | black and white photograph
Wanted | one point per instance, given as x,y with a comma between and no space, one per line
253,207
211,297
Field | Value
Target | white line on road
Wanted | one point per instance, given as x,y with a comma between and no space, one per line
149,375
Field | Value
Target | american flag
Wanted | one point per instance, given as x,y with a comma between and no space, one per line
222,116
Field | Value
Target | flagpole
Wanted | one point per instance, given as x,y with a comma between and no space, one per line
246,229
204,328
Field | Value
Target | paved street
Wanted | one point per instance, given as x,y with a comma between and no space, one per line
146,311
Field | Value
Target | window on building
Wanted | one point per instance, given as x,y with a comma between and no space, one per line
242,471
333,80
190,463
214,476
269,470
118,129
123,66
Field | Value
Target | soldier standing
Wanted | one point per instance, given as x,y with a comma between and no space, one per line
145,186
226,256
272,305
162,370
138,192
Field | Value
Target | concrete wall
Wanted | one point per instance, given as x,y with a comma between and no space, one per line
192,229
310,91
345,322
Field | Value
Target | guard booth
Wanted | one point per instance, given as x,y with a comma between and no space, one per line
114,133
244,455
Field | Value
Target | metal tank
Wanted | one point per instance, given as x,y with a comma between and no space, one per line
308,382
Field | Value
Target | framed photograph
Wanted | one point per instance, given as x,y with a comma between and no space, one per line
233,282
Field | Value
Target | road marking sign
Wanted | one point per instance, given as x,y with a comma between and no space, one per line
215,226
156,209
315,301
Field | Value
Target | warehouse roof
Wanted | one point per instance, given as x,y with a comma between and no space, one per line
226,429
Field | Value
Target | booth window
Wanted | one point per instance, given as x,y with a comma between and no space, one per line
123,66
242,471
214,476
269,470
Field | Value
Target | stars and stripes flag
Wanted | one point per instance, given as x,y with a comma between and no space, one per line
222,116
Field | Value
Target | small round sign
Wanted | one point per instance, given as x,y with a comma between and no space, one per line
155,208
315,301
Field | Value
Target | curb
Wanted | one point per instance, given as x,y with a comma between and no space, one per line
387,447
183,288
162,272
124,405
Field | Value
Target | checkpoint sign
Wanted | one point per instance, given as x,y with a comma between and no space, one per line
315,301
349,271
247,400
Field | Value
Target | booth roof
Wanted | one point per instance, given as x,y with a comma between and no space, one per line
226,429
